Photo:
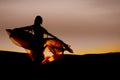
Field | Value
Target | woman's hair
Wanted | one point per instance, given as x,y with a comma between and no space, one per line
38,20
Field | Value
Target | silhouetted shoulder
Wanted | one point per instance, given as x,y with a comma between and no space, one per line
45,30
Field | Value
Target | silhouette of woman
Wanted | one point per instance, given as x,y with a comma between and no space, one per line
38,39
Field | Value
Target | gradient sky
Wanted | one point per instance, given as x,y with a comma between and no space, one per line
89,26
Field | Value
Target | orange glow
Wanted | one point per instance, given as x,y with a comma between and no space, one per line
98,49
30,53
49,57
47,53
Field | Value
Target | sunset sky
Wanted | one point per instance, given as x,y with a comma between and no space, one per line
89,26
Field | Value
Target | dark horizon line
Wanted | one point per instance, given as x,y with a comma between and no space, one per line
66,54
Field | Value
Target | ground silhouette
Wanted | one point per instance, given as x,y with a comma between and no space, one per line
17,58
89,64
70,64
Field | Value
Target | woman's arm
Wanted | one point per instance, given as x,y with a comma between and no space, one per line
24,28
67,47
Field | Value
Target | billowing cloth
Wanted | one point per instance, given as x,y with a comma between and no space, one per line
25,39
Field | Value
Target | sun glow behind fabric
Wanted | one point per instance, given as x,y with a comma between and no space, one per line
89,26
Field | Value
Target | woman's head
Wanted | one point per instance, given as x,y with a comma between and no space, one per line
38,20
